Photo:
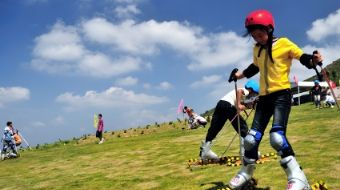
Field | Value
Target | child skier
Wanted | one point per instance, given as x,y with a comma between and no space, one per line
195,120
272,57
8,141
226,109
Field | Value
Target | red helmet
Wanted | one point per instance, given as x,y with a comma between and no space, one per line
260,17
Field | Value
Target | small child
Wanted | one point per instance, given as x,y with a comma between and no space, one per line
8,141
226,109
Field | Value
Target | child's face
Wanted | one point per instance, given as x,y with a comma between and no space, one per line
260,36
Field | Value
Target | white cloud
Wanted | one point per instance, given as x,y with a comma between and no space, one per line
59,120
126,11
114,97
144,38
128,1
146,85
165,85
13,94
61,51
127,81
100,65
223,49
148,37
323,28
38,124
206,81
62,43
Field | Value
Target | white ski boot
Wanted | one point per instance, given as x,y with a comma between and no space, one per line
244,175
296,177
206,153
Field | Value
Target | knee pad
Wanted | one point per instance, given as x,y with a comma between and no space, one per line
252,140
278,138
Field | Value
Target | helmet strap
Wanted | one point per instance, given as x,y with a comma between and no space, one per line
270,43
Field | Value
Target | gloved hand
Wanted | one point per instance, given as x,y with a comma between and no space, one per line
232,76
317,58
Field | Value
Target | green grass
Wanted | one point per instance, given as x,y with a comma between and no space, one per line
155,157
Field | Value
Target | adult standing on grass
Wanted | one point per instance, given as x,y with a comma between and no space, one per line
272,57
100,129
316,93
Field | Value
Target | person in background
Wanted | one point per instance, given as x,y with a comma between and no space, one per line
226,110
329,101
316,93
194,120
8,140
100,129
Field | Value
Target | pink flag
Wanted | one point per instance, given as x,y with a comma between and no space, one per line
332,84
180,106
295,80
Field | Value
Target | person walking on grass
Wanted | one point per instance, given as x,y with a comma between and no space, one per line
226,110
100,129
272,58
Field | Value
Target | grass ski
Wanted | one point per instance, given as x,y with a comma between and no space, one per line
232,161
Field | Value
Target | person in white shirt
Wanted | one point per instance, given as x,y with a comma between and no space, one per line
226,110
329,101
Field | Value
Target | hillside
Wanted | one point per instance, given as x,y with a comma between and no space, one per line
155,157
332,70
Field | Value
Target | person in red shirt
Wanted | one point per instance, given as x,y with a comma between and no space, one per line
100,128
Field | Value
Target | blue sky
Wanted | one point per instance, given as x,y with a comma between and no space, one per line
133,60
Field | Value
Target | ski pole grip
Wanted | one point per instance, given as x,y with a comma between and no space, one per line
232,76
316,52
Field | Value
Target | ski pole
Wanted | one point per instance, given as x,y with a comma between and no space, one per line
327,80
232,140
329,85
24,140
232,77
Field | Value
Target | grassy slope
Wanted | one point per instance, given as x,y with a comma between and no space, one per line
157,159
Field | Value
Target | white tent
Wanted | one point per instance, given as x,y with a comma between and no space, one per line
309,84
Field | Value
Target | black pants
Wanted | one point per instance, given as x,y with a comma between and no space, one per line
99,135
223,111
278,105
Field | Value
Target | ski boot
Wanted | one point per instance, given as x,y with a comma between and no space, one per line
2,155
296,177
206,153
12,155
244,175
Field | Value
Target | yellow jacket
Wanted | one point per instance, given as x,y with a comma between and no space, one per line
274,76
